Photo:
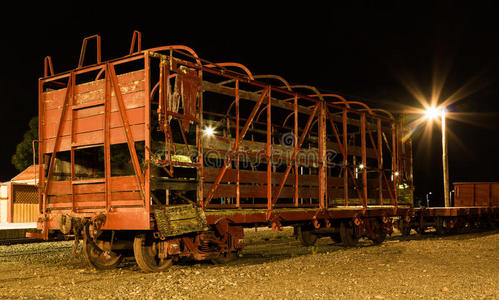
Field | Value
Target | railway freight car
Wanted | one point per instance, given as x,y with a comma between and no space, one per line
476,206
165,155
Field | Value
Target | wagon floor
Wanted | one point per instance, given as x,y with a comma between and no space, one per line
231,211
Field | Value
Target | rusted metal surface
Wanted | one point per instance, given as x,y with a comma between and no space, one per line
114,110
476,194
174,128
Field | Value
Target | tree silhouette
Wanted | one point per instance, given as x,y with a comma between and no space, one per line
23,157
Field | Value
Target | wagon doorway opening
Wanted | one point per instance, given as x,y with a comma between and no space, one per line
175,131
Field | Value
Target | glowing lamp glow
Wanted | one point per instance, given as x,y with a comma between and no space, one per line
433,112
209,131
361,166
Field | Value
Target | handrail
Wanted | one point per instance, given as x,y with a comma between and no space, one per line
286,84
136,37
177,47
47,66
84,48
338,97
232,64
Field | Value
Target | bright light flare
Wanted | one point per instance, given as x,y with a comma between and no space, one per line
209,131
433,112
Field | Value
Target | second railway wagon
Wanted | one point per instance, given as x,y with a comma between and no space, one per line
167,155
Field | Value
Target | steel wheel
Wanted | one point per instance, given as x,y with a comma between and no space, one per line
442,226
404,227
378,234
348,234
306,237
335,237
99,258
225,257
145,250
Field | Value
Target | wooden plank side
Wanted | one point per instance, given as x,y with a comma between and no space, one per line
464,195
224,145
59,188
259,191
495,193
96,137
132,101
61,200
118,184
91,91
97,204
95,122
124,183
482,194
248,176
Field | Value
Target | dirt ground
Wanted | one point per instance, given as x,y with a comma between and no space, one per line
273,266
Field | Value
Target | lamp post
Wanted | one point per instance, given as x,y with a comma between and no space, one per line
445,161
432,113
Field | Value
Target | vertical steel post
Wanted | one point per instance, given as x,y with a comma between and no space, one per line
394,163
364,157
72,152
322,155
238,193
295,141
107,138
200,146
380,161
268,150
41,147
147,133
345,156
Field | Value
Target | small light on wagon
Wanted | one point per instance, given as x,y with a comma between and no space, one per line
209,131
361,167
396,173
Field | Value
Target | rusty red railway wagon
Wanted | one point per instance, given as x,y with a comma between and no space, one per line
161,155
476,205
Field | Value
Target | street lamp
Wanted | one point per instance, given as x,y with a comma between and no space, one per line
432,113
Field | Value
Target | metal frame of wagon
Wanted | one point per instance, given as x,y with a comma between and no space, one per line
318,112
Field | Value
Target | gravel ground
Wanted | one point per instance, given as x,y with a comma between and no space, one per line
274,266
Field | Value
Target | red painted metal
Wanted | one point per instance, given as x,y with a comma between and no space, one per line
159,108
208,198
476,194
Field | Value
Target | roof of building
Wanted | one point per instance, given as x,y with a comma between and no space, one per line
29,174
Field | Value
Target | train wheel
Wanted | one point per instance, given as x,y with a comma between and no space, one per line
420,230
442,226
306,237
348,234
98,258
377,233
335,237
224,258
145,250
404,227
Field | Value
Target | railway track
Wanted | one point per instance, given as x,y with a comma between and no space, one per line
19,241
35,252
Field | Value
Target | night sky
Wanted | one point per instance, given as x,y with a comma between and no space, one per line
363,50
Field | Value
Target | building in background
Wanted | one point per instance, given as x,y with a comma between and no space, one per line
19,197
